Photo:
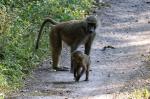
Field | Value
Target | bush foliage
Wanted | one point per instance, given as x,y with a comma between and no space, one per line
20,21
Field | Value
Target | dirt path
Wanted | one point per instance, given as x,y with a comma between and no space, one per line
115,72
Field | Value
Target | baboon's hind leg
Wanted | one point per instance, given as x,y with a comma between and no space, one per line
56,47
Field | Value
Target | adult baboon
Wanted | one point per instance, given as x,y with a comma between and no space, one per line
81,64
73,33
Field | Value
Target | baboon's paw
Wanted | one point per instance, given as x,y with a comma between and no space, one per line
61,69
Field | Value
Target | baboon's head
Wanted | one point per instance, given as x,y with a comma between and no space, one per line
91,24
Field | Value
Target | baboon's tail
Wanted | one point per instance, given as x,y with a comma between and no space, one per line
43,24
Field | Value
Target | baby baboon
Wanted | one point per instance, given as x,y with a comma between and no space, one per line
73,33
81,64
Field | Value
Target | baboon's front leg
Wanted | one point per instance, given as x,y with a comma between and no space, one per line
73,48
88,44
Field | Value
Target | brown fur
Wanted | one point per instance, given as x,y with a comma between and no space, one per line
73,33
81,63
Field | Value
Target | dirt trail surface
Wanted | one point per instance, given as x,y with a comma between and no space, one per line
115,72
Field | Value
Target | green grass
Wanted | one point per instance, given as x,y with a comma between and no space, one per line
20,21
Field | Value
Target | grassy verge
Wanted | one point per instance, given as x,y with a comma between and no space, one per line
19,23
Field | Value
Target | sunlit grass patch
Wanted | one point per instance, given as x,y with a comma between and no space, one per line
140,94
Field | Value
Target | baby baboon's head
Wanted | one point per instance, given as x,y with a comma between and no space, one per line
77,56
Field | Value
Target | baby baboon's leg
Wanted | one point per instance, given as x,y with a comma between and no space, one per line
73,48
78,73
72,67
87,74
75,70
81,73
